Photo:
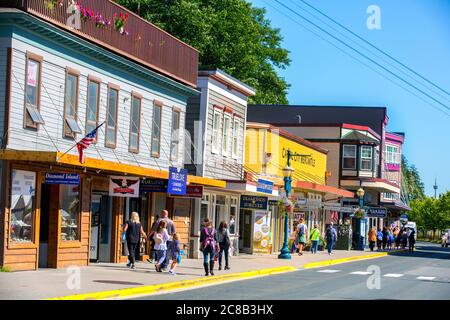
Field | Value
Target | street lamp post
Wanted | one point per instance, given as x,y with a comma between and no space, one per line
360,194
287,173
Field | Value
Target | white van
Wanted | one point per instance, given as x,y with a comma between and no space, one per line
411,225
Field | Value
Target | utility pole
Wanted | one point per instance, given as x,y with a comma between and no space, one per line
435,187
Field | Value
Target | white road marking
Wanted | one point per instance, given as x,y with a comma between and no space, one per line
329,271
426,278
393,275
363,273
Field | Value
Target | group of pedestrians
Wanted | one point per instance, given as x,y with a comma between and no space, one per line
389,238
301,236
214,244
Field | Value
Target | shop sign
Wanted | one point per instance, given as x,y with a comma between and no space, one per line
153,185
253,202
404,219
332,206
62,178
262,240
264,186
273,203
377,212
177,181
192,192
124,186
347,209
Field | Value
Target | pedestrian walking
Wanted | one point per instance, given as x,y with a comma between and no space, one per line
314,237
152,241
331,236
379,239
372,238
170,230
223,237
133,231
385,238
398,239
161,237
301,236
174,253
412,240
390,239
208,241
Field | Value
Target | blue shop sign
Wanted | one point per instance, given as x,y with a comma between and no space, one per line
62,178
253,202
264,186
377,212
153,185
177,181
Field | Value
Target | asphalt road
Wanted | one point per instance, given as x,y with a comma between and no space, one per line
423,274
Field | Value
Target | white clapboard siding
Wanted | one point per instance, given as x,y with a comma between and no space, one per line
52,109
4,44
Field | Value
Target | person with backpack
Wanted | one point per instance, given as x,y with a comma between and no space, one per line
372,236
331,236
379,239
223,237
133,230
161,237
208,241
301,236
314,237
391,239
174,253
170,230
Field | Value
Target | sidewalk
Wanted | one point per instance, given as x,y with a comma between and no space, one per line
52,283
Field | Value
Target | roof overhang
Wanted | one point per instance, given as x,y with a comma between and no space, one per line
397,205
380,185
315,187
52,157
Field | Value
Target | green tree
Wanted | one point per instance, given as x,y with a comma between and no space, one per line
230,34
412,183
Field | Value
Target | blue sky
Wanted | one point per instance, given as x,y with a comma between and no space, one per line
416,32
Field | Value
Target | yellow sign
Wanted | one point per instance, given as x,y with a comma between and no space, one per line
262,236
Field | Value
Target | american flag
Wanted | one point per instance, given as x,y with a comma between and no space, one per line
334,216
86,142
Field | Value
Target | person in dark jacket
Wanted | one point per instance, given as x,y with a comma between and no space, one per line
412,240
331,236
385,238
223,236
152,241
208,240
133,230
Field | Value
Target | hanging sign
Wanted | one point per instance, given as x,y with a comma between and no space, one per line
124,186
253,202
177,181
264,186
153,185
373,212
192,192
62,178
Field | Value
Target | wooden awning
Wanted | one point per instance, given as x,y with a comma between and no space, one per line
52,157
311,186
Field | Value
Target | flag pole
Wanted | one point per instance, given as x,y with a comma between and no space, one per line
59,158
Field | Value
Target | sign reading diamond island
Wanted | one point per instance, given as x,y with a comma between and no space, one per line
253,202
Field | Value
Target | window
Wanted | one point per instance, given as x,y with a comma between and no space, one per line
135,122
392,155
235,145
70,212
22,206
226,134
93,102
204,210
71,104
175,138
366,158
349,157
233,215
156,131
33,91
390,196
217,115
111,116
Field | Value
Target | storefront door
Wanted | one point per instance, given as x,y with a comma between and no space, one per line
246,230
44,224
100,242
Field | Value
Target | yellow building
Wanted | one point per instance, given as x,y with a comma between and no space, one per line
266,149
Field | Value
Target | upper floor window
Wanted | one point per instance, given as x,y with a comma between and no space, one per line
135,122
33,91
93,102
392,155
366,158
175,138
235,143
226,134
111,116
217,116
156,130
71,127
349,157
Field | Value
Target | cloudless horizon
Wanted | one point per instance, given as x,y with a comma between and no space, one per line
415,32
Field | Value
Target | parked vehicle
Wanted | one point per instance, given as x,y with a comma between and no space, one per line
445,240
411,225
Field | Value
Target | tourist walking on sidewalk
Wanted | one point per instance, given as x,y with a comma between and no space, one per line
331,236
223,237
174,252
133,231
301,236
372,238
161,236
385,238
208,240
412,240
152,241
379,239
170,230
314,237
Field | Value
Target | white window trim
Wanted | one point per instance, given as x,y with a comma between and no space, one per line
393,157
175,155
215,131
236,122
361,158
226,139
343,156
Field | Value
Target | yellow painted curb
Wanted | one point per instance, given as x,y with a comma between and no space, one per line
157,288
343,260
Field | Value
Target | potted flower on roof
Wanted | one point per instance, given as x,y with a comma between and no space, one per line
120,22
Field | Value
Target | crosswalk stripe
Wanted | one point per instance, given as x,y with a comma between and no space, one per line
393,275
363,273
426,278
329,271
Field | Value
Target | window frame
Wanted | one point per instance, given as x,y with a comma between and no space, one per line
235,136
226,138
361,158
344,157
39,59
395,158
215,130
99,82
70,243
156,104
135,95
175,157
67,131
112,86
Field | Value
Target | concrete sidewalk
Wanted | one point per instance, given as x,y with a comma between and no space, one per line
52,283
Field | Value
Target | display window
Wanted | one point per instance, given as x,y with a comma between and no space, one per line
70,212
